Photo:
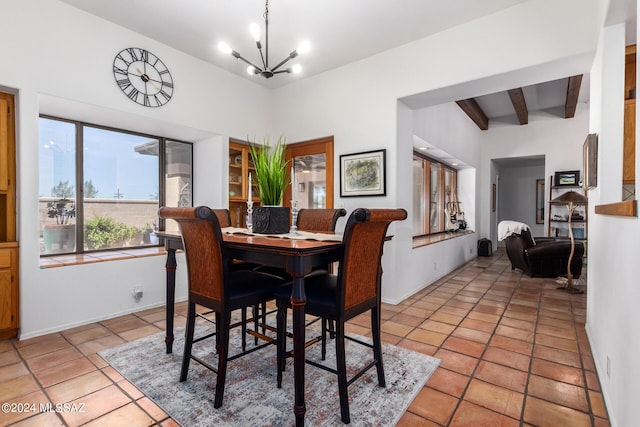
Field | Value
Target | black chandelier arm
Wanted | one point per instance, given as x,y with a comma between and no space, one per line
241,58
288,70
265,65
291,56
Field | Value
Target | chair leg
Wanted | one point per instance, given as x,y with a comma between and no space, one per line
218,323
281,319
323,352
188,340
331,328
256,323
223,354
244,328
263,306
377,344
341,367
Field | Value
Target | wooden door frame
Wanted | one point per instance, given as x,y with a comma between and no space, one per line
313,146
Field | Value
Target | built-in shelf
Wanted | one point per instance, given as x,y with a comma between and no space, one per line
626,208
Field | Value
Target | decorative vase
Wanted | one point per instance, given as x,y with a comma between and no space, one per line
59,238
271,219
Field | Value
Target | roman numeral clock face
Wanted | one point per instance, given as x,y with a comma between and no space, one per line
143,77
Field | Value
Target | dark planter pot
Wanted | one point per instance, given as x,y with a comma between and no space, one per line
271,220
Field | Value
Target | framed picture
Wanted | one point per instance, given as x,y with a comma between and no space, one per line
539,201
590,161
567,178
363,174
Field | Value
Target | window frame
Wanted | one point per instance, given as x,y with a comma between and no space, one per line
441,203
79,178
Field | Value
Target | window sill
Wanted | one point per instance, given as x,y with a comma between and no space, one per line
89,258
436,238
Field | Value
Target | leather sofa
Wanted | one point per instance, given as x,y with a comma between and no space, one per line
543,257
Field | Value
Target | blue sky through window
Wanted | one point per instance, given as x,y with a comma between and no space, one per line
119,165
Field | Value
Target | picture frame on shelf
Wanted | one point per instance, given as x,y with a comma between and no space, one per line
363,174
566,178
539,201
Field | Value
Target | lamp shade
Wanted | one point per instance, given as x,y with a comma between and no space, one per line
570,197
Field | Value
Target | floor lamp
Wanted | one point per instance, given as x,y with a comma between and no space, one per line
571,199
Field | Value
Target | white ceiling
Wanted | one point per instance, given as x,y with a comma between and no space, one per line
339,31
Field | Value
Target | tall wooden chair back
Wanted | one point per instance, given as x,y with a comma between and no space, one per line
319,220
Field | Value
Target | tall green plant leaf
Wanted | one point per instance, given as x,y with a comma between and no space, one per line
271,170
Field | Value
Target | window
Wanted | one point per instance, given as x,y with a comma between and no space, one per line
124,178
434,194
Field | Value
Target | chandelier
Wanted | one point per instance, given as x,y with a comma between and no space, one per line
266,71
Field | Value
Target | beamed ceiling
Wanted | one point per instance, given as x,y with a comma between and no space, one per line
473,107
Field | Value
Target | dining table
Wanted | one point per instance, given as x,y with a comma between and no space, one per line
297,253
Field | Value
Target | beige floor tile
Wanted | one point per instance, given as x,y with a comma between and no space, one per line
52,359
77,387
95,405
130,415
541,413
64,371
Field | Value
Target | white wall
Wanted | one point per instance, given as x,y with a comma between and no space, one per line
59,59
357,104
612,326
559,140
517,195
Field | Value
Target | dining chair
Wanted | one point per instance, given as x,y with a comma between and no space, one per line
354,290
213,285
259,313
312,220
320,220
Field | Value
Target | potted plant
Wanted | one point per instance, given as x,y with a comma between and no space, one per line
61,236
271,177
103,232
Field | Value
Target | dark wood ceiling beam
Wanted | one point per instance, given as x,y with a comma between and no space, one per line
519,105
472,109
573,90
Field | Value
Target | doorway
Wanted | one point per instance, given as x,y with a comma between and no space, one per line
312,163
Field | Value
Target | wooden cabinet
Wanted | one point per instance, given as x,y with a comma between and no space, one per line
8,244
8,289
629,148
240,165
558,216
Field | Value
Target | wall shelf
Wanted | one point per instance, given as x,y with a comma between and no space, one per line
627,208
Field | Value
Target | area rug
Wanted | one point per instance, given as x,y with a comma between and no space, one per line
251,397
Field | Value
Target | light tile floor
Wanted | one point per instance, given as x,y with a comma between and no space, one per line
514,353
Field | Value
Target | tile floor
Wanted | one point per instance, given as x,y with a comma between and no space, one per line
513,349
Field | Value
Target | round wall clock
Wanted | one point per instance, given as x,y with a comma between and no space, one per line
143,77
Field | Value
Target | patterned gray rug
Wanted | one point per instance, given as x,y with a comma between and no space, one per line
251,397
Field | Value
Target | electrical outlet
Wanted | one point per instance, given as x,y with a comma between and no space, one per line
608,367
137,293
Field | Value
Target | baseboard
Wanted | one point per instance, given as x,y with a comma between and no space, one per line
61,328
602,369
